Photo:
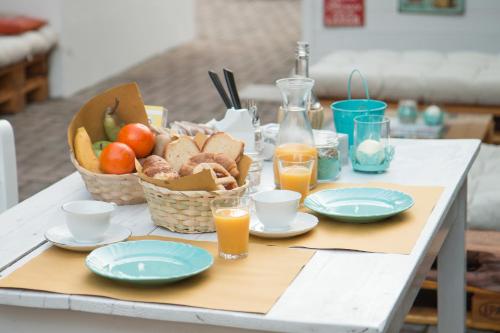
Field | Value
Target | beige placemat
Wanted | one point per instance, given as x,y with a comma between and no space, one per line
397,234
253,284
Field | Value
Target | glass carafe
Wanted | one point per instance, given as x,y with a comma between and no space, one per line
295,139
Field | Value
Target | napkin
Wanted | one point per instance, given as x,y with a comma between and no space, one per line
238,123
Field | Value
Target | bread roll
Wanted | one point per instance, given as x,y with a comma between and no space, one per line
157,168
222,159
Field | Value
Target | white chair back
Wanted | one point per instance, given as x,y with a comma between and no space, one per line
8,169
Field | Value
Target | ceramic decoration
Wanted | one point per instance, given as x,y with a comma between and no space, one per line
359,204
433,116
407,111
302,223
61,237
148,262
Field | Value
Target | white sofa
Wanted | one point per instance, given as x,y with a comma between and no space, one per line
427,76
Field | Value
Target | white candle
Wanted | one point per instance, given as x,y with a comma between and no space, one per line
370,152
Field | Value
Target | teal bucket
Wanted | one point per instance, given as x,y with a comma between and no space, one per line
345,111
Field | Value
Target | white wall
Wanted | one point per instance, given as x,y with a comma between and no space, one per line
99,38
385,27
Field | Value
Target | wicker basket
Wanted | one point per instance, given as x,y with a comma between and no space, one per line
120,189
184,211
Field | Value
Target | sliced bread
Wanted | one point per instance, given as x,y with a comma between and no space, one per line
180,151
224,143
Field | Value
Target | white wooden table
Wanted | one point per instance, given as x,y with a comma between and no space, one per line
337,291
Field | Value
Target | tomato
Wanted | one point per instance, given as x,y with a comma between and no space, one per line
138,137
117,158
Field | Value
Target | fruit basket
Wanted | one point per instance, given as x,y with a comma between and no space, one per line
184,211
87,129
120,189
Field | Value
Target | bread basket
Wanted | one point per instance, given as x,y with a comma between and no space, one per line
120,189
184,211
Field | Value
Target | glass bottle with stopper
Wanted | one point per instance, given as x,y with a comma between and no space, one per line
315,111
295,138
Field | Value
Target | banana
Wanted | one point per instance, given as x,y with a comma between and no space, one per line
111,122
83,151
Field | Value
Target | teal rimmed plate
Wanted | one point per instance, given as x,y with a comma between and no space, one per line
359,204
148,261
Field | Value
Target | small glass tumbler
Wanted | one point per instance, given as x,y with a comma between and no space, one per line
232,223
371,151
295,174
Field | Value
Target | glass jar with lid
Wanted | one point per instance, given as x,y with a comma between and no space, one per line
327,146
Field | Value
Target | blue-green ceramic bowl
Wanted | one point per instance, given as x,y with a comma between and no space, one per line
359,204
148,262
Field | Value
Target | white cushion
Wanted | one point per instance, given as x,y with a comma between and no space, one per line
12,50
16,48
455,77
450,83
483,199
403,81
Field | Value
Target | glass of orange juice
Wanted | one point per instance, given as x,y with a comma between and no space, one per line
232,222
295,175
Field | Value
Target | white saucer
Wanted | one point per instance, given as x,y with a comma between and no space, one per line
303,223
61,237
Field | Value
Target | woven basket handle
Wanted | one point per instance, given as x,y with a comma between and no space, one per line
365,84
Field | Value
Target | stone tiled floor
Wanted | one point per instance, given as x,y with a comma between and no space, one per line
258,47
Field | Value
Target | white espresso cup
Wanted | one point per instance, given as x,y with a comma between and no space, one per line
88,220
276,209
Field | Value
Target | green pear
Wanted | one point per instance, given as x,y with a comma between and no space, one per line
112,124
98,146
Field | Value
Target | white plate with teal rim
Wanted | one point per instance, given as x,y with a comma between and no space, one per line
61,237
149,262
359,204
303,223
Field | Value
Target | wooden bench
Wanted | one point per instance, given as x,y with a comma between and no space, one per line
483,304
24,81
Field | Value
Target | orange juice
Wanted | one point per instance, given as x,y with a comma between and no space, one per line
296,178
298,152
232,226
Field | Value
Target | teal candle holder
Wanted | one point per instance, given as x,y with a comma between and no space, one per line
371,151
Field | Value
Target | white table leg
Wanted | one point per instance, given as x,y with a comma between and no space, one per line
451,272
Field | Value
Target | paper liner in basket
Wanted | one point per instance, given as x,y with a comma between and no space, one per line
130,110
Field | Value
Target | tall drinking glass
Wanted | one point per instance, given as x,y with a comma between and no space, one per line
232,223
